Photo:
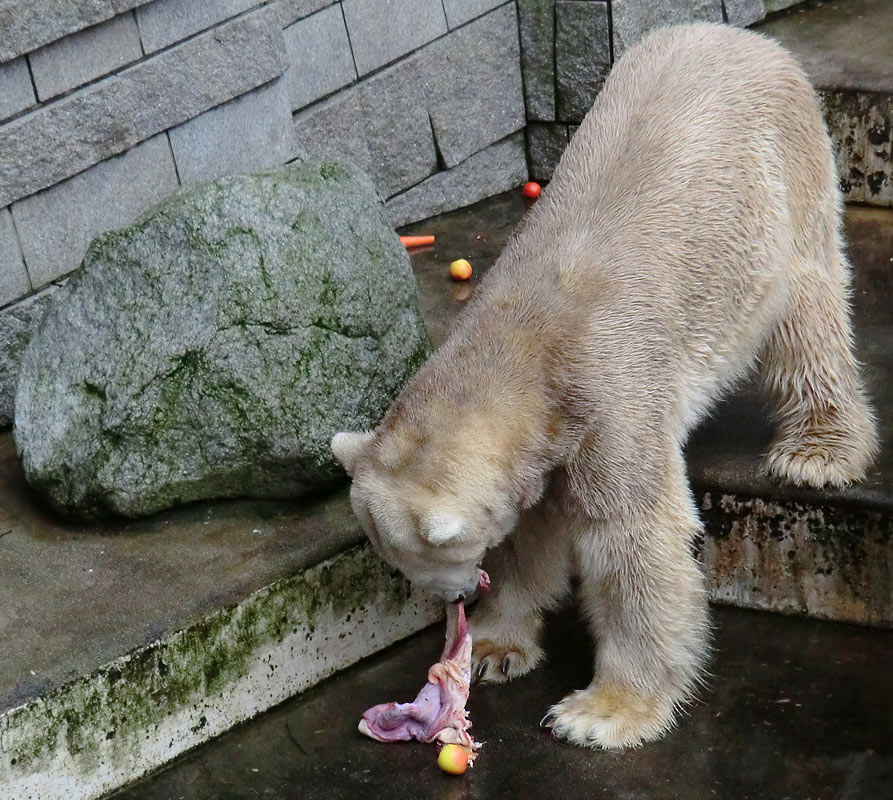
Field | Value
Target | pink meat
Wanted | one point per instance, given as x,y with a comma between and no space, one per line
438,712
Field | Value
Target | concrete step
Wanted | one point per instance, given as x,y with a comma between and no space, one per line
126,644
845,48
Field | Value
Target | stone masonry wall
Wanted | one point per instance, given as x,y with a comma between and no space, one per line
107,106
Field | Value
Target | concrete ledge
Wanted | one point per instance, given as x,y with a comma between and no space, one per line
144,708
818,560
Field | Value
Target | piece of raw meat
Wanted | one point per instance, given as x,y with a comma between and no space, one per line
438,712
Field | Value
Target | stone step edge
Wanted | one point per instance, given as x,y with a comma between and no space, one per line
825,560
131,716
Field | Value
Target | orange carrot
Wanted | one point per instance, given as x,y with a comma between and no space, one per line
416,241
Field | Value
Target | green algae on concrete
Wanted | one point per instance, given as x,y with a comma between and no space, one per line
143,709
212,348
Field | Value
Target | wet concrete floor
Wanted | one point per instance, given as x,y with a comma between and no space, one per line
794,708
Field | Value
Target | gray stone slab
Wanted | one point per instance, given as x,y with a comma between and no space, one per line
290,11
64,138
546,141
632,19
744,12
335,128
500,167
319,56
399,136
383,30
17,322
13,276
458,12
381,125
582,55
26,25
164,22
55,226
84,56
16,91
536,20
473,81
249,133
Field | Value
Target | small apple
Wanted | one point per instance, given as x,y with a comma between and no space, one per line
460,270
453,759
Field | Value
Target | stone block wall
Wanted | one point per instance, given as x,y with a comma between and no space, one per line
107,106
568,47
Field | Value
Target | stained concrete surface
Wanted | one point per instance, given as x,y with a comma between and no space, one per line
841,44
793,709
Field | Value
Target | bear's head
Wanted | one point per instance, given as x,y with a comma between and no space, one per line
435,530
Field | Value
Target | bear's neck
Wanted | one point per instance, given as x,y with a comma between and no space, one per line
482,404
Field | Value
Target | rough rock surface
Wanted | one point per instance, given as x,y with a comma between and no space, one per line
212,348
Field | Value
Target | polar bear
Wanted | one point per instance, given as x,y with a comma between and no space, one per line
691,231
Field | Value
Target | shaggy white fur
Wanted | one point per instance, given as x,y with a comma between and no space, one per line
691,231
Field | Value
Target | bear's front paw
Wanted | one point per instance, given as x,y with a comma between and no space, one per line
611,716
497,662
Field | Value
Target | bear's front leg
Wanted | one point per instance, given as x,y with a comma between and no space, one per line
529,574
643,593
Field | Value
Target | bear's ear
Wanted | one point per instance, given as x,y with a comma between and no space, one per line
441,529
348,447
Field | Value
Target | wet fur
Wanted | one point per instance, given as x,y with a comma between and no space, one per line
690,232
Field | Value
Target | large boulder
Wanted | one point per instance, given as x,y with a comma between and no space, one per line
212,348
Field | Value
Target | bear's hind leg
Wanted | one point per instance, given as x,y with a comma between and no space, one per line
530,573
826,433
